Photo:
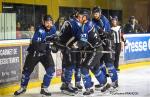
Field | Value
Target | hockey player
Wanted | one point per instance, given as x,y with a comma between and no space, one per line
102,25
70,33
77,59
39,50
91,41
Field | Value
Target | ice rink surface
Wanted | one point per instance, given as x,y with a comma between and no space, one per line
132,83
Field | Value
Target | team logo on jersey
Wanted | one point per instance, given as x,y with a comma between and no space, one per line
41,31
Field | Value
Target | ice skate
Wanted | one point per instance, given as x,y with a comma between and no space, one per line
105,87
44,91
88,91
114,87
78,86
68,89
22,90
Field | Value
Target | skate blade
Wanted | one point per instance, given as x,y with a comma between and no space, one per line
68,93
106,88
80,93
98,89
91,95
99,93
113,90
106,92
19,94
79,90
45,95
76,92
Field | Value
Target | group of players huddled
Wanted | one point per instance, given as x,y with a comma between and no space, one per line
86,45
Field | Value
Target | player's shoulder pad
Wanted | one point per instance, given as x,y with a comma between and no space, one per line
104,19
75,21
40,29
79,24
67,23
91,26
72,22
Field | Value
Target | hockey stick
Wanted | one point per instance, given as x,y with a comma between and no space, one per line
84,51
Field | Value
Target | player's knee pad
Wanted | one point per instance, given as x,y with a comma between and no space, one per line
112,72
84,71
27,71
48,76
103,68
63,68
26,74
68,74
25,77
97,72
86,78
77,74
99,75
63,74
78,70
50,71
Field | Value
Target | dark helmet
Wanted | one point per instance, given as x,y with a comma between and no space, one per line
114,18
96,9
47,18
85,12
75,12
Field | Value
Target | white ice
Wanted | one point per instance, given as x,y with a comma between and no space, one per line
132,83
